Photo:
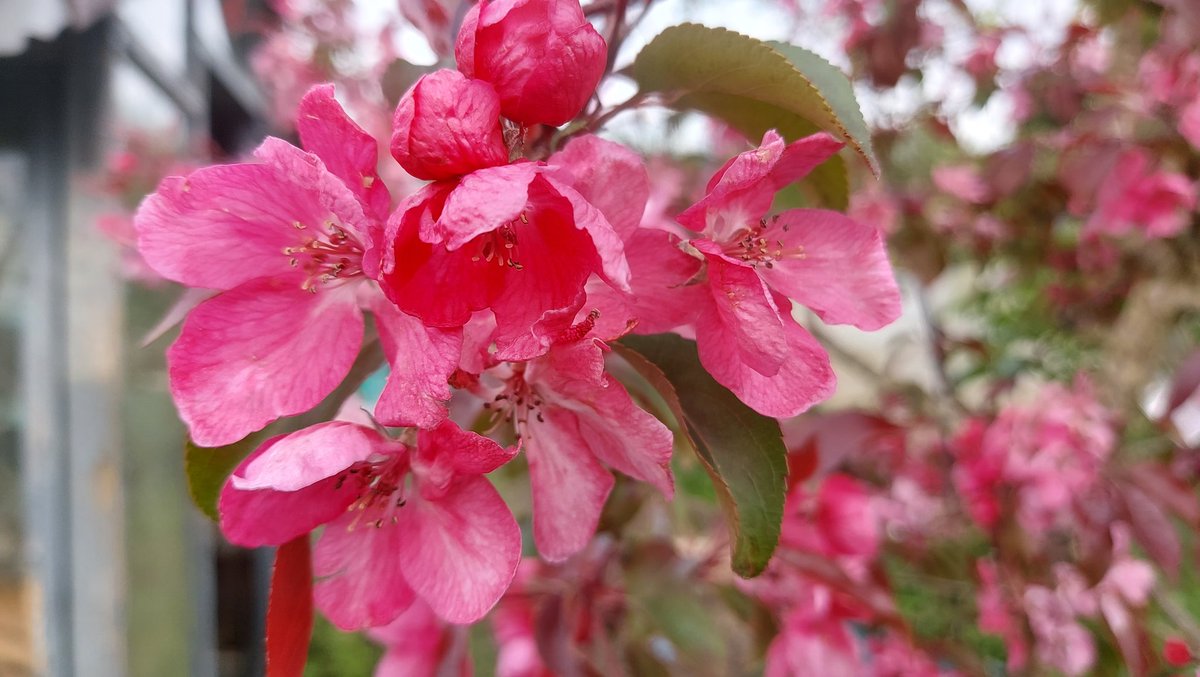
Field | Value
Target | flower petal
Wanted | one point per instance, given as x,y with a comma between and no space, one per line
569,485
614,429
460,552
264,350
280,501
483,201
608,175
349,152
742,191
843,275
357,566
447,125
743,314
422,360
804,378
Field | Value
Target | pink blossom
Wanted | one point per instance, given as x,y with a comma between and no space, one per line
447,125
996,615
1136,198
813,640
963,182
400,521
1189,123
1062,642
419,644
542,56
435,19
512,239
573,420
283,240
756,266
613,179
1050,453
840,521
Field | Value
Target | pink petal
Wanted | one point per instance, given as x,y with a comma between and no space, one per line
556,260
303,458
750,325
607,175
661,298
412,643
1189,123
421,359
441,287
483,201
264,350
309,494
842,274
348,152
803,379
607,242
613,428
460,552
461,451
742,191
358,569
447,125
569,485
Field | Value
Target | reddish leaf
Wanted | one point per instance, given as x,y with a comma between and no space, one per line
1153,529
290,609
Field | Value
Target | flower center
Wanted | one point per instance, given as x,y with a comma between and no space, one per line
500,245
517,404
760,244
337,256
382,490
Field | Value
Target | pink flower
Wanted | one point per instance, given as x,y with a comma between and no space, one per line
840,521
401,521
996,616
513,239
614,180
1062,642
447,125
1135,197
573,419
283,239
814,640
1189,123
542,56
963,182
1050,453
419,644
756,266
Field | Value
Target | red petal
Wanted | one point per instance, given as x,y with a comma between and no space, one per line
290,609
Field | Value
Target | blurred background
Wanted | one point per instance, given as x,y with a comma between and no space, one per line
106,568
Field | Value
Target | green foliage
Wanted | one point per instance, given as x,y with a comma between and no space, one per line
741,449
754,86
334,653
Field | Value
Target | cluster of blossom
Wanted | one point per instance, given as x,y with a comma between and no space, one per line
493,291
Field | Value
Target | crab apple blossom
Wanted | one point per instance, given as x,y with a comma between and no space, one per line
512,239
283,240
756,265
542,56
447,125
573,419
1135,197
401,521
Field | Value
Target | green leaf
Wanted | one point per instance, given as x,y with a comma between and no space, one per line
207,468
753,85
742,450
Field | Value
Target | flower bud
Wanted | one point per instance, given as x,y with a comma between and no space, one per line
542,56
448,125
